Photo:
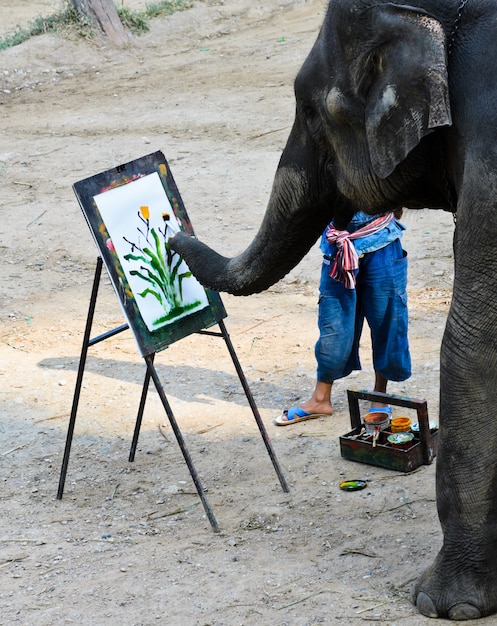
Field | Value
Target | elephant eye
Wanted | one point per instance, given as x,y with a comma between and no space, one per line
311,116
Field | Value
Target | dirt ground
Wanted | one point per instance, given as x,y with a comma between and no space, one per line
130,543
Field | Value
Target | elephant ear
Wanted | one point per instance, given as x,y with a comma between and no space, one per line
408,94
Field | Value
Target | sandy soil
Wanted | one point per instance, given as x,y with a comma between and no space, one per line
129,543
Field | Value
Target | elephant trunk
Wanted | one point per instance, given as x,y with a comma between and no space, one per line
289,229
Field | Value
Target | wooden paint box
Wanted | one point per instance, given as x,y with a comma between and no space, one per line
355,447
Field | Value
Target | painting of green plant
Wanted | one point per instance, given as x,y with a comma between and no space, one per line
139,221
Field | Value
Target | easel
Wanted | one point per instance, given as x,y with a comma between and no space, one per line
151,374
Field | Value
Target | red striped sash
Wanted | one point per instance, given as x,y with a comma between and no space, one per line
346,259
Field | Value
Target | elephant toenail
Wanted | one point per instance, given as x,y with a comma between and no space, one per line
463,611
425,605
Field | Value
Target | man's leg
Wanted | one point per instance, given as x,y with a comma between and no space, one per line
382,290
336,350
380,384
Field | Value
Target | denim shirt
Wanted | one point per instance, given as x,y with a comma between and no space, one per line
363,245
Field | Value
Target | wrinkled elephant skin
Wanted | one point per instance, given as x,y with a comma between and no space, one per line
395,107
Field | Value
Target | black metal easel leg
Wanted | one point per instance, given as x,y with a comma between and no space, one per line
79,379
179,437
139,417
253,406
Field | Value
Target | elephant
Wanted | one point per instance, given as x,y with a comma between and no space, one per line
394,108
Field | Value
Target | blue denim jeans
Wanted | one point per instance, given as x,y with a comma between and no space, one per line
380,297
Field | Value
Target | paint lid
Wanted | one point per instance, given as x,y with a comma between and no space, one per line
353,485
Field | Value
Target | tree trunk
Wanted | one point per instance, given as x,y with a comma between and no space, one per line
103,16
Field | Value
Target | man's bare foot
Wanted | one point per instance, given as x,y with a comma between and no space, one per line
313,406
318,405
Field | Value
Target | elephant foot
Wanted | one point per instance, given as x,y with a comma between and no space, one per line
460,611
450,590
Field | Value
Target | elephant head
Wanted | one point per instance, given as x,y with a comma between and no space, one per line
368,98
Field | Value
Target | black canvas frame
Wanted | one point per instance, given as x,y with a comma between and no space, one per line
87,190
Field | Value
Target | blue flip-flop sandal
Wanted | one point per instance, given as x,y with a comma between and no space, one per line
294,415
381,409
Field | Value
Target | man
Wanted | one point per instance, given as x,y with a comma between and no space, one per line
363,276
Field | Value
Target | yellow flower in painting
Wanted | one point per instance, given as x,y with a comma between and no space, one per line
162,169
145,211
166,217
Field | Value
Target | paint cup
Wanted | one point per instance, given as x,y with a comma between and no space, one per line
375,421
400,440
400,425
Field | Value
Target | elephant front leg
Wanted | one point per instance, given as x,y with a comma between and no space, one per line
462,582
